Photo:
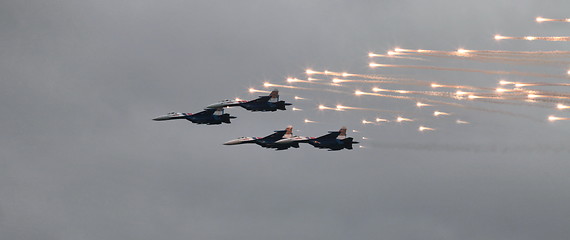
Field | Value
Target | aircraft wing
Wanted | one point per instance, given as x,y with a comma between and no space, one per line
206,112
276,135
330,135
261,99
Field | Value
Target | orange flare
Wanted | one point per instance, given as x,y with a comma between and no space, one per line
554,118
402,119
422,128
420,104
562,106
309,121
438,113
381,120
458,121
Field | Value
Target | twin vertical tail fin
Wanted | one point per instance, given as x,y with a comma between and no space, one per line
281,105
226,118
219,112
274,96
288,132
342,133
348,142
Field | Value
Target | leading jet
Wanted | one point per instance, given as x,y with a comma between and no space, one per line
334,140
209,116
270,103
270,141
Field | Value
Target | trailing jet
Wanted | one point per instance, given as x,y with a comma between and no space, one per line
334,141
270,141
268,103
209,116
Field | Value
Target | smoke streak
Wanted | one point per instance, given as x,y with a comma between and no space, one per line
532,38
473,147
373,65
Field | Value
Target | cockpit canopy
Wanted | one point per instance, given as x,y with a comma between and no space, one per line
175,114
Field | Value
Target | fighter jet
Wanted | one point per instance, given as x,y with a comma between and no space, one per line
209,116
268,103
334,141
269,141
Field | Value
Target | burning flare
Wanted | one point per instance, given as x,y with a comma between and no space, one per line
562,106
309,121
438,113
253,90
458,121
381,120
422,128
541,19
403,119
420,104
554,118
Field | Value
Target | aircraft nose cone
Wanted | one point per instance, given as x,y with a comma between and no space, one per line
215,105
161,118
231,142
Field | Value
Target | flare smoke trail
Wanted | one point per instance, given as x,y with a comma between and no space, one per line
422,129
438,113
267,84
403,119
532,38
471,147
392,54
485,57
412,82
342,108
296,80
358,92
345,74
379,120
437,85
420,104
554,118
526,103
252,90
373,65
491,52
309,121
338,80
458,121
541,19
323,107
299,98
425,93
533,84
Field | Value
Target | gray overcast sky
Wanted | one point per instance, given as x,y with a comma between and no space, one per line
80,82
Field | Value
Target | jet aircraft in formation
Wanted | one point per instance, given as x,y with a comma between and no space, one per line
209,116
269,141
270,103
284,139
214,114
